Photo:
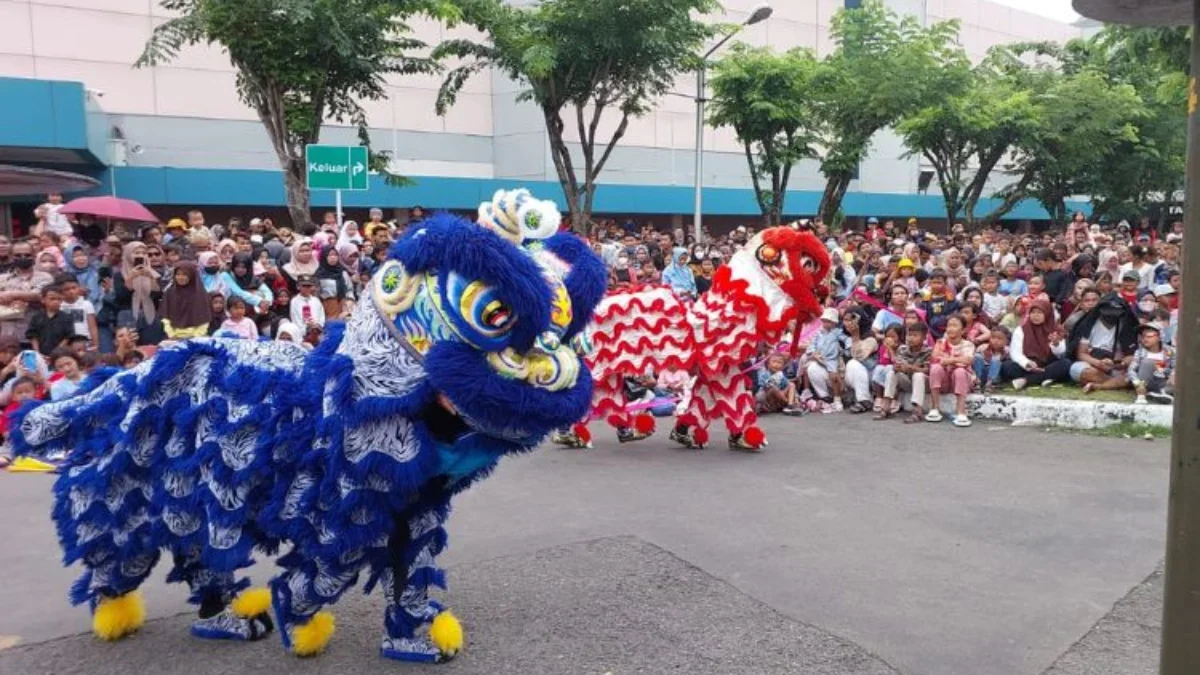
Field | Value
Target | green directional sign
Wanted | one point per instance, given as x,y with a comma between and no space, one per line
336,167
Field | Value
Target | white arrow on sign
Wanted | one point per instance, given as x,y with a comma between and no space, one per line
358,168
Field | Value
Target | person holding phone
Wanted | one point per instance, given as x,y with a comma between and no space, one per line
136,293
307,310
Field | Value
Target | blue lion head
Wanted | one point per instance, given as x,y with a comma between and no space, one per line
491,309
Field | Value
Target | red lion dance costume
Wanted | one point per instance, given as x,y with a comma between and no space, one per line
771,281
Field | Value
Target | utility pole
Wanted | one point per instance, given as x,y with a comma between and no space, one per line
1181,601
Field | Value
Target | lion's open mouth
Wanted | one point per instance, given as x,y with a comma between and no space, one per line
443,421
778,273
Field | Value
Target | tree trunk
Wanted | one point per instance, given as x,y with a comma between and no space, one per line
297,195
836,185
565,168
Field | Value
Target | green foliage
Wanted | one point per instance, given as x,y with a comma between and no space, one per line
883,68
1088,120
1103,116
581,59
966,135
302,62
1149,169
764,97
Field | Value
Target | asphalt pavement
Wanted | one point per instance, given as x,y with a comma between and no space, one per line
849,547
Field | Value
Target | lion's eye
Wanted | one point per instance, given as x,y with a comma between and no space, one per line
484,311
768,255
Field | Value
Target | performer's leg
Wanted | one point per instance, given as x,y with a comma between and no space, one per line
299,594
736,403
418,628
229,609
691,428
111,589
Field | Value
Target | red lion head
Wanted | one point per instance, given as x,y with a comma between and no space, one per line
780,271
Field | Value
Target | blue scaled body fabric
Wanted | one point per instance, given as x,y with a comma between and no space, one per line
342,460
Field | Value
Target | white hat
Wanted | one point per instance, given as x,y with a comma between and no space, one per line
1164,289
831,314
256,221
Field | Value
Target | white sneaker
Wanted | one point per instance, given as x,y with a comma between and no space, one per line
962,421
837,405
1019,383
934,415
1140,400
1046,384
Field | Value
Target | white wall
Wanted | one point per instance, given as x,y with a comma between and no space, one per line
97,41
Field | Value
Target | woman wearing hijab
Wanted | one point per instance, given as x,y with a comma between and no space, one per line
1037,350
186,307
245,278
49,260
678,275
226,249
218,280
136,293
302,262
334,287
86,272
351,258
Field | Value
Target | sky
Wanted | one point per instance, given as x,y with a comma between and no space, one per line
1059,10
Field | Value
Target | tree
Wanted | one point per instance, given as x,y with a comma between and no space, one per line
967,135
882,68
1150,171
1085,117
300,63
581,59
764,96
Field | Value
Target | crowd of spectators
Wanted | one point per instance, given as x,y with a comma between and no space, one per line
75,296
913,316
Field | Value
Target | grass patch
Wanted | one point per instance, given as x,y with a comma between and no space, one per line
1123,430
1070,393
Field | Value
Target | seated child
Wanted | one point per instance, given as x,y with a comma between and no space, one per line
774,393
823,362
910,372
1152,371
23,389
69,365
238,323
989,358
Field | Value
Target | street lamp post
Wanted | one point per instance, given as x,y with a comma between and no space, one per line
1181,596
760,13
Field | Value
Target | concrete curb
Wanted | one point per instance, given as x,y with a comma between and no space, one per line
1028,411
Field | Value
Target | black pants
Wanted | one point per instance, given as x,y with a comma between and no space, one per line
1058,370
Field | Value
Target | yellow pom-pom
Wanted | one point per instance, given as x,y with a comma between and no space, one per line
312,638
446,633
114,618
251,602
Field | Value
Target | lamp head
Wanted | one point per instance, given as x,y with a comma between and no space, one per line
760,13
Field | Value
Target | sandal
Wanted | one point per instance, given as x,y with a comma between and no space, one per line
915,418
882,415
859,407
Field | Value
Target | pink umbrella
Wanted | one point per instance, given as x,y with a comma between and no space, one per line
110,207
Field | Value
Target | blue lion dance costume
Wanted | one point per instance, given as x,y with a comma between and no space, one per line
344,457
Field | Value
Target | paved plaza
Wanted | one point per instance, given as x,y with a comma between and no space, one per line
849,547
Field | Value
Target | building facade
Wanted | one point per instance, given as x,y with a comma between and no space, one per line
177,136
